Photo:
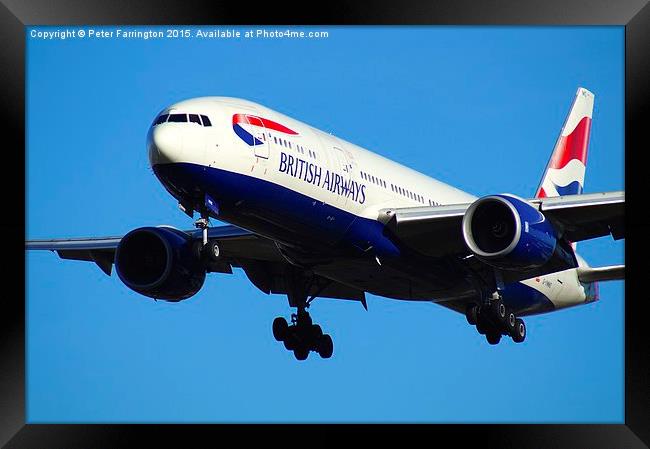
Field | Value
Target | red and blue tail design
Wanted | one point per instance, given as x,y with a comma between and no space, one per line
242,121
565,173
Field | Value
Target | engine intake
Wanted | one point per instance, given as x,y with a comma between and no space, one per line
509,233
159,262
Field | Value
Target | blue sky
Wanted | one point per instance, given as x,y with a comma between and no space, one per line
476,107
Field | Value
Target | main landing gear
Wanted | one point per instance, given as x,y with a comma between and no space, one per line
302,336
494,319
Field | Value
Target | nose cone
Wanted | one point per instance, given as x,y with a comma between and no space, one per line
164,144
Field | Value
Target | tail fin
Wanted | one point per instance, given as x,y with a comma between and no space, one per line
565,172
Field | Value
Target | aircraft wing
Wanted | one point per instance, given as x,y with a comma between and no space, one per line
437,230
101,250
258,256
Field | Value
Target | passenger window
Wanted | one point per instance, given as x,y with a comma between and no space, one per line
178,118
206,120
194,118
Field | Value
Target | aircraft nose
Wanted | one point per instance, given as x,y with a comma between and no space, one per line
165,144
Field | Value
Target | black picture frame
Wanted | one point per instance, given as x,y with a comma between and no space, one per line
15,15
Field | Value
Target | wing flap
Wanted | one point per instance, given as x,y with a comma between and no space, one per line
102,257
587,216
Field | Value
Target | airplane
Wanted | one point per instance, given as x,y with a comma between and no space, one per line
311,215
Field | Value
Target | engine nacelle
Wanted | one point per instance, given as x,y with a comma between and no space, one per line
159,262
509,233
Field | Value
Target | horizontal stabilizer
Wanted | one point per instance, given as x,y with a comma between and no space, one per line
611,273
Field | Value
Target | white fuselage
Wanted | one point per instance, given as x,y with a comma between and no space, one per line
251,140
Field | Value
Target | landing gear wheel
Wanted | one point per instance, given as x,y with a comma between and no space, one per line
483,323
498,311
211,251
493,338
472,314
519,334
290,340
301,353
325,346
280,328
481,327
511,322
316,332
501,311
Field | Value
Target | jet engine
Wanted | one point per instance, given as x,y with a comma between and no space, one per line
509,233
160,262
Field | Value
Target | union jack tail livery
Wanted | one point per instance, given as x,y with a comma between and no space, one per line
565,172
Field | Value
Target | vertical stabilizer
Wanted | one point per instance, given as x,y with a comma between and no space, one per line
565,172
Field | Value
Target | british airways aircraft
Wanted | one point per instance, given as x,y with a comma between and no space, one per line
313,216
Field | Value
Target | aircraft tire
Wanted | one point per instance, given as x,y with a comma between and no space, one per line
511,322
325,346
472,314
519,335
498,311
301,353
493,337
316,333
210,252
290,341
280,328
501,311
482,325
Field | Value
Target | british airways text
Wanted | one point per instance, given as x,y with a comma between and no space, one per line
313,174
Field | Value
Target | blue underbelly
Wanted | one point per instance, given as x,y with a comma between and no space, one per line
274,210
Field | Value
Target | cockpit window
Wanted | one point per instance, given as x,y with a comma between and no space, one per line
177,118
200,120
161,119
